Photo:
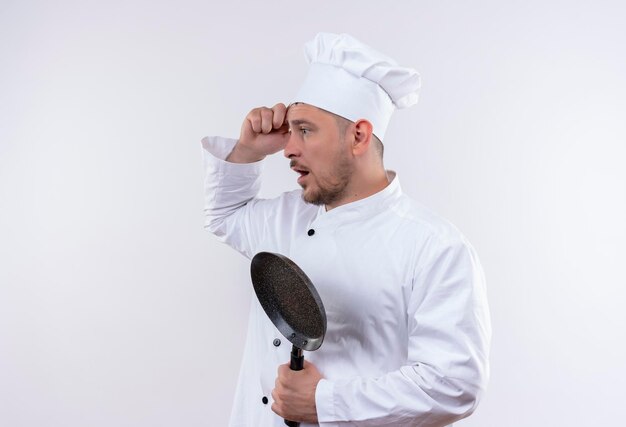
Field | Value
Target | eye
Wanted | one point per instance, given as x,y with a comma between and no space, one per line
304,131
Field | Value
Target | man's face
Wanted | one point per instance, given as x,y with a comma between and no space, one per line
318,153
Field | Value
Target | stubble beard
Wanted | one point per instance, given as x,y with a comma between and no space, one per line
333,190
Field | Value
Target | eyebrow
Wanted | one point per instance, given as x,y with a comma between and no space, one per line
298,122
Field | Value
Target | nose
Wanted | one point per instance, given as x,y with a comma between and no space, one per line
292,149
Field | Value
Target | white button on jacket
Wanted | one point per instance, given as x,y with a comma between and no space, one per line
408,322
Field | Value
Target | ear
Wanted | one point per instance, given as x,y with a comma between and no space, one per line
362,137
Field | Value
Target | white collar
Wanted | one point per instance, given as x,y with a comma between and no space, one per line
367,206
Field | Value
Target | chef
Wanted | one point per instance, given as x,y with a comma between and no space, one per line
408,323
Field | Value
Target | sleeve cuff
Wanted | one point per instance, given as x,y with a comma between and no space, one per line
324,402
217,148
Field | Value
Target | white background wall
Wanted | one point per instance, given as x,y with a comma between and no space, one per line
117,309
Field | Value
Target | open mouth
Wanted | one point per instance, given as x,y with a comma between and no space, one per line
302,172
299,170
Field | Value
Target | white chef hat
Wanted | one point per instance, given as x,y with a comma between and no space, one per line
352,80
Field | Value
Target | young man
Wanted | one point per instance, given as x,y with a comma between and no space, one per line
408,323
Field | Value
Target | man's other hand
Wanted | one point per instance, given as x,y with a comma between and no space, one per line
294,393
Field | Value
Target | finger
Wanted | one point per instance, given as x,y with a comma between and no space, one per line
280,114
254,117
283,370
276,409
266,120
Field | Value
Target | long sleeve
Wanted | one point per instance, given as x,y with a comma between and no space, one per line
447,359
230,191
235,214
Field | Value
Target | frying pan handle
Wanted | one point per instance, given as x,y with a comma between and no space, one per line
296,364
297,359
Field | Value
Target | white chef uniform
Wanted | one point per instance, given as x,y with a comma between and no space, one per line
408,323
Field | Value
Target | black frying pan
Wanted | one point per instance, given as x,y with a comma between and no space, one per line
292,304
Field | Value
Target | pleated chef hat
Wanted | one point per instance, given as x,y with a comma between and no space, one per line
352,80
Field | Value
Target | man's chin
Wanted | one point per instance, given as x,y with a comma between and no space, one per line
311,197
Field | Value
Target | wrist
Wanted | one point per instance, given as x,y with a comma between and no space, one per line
243,154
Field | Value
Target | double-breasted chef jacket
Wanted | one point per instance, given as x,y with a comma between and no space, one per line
408,322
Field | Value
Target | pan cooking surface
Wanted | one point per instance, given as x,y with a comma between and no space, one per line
287,296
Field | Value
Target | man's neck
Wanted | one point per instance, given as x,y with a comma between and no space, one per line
361,187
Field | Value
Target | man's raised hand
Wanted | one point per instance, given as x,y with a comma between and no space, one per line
264,131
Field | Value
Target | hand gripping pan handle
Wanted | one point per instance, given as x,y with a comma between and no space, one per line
291,302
